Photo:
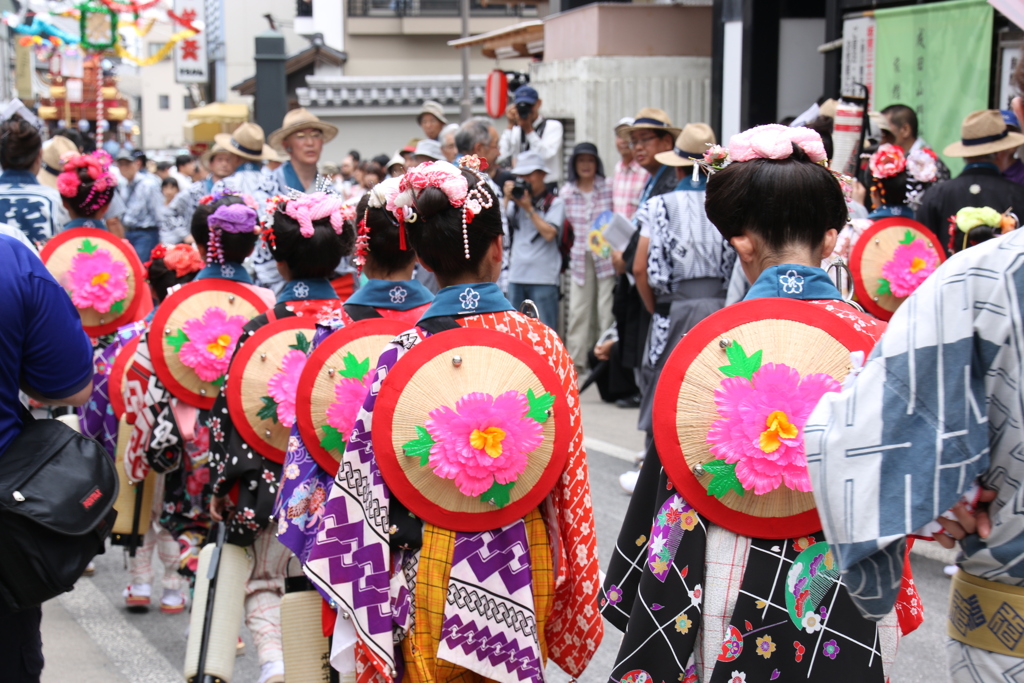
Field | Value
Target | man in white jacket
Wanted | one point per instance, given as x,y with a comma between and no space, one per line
528,130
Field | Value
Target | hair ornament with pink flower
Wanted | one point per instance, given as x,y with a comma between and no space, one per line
307,208
97,167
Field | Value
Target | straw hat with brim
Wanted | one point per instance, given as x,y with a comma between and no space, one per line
691,144
877,247
54,148
253,410
749,340
206,156
186,305
434,109
246,142
983,132
346,355
446,383
650,118
300,119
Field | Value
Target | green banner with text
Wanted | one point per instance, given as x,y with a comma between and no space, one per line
937,59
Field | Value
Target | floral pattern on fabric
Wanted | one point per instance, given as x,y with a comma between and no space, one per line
674,519
97,280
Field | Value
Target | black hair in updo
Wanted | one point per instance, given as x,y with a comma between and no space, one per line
161,278
20,144
437,233
235,246
384,249
786,202
310,257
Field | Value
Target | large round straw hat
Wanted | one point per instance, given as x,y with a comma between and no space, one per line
213,311
52,166
335,382
983,132
739,387
890,260
651,119
247,142
255,412
471,429
691,144
94,266
300,119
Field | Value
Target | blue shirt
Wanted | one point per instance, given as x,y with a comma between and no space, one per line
37,209
41,340
143,201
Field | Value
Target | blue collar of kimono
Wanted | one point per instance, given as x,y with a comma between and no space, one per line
249,166
307,288
224,271
85,223
649,187
791,281
886,211
687,184
395,295
460,300
291,178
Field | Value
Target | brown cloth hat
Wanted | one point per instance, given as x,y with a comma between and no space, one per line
983,132
301,119
246,142
691,144
652,119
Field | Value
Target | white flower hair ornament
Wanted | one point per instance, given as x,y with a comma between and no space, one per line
377,198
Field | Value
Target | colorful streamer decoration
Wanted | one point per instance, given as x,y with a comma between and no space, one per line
159,55
132,7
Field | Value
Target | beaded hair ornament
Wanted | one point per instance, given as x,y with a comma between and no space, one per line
377,198
449,179
305,209
234,218
97,165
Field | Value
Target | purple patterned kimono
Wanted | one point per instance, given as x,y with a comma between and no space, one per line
97,415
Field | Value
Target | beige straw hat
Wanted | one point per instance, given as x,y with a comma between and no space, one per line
983,132
247,142
652,119
300,119
53,150
691,144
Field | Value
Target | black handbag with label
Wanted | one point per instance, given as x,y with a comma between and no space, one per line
57,492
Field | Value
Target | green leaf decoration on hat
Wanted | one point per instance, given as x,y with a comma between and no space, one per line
499,494
301,343
176,340
723,478
539,405
332,440
118,306
883,287
269,409
87,247
420,446
740,364
219,382
908,237
354,369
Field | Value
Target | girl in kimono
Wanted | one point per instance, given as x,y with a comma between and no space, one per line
781,210
396,633
307,236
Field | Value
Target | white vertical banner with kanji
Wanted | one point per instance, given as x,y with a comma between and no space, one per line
858,64
190,62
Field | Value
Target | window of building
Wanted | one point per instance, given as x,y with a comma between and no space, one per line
188,102
165,101
153,48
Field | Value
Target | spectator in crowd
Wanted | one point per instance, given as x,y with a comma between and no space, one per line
396,166
448,147
175,224
431,119
162,170
36,209
479,137
630,177
535,221
140,192
185,165
902,131
302,136
1007,160
371,173
587,194
983,135
348,167
409,148
426,150
529,131
169,188
651,134
53,150
47,355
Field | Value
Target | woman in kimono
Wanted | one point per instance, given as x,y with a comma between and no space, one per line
781,210
307,236
396,633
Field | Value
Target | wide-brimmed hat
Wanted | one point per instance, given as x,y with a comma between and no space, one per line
204,158
528,162
691,144
583,148
430,149
53,149
650,118
247,142
623,126
300,119
434,109
983,132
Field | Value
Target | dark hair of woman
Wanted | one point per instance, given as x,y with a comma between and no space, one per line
161,278
235,246
436,235
958,240
786,202
384,252
20,144
892,190
169,182
83,195
310,257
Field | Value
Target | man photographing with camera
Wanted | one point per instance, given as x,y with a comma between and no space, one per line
535,223
529,131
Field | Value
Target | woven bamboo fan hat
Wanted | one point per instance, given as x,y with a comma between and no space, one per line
269,358
194,334
102,274
890,260
334,383
117,383
471,429
737,389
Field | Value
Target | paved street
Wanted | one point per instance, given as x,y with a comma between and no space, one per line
90,638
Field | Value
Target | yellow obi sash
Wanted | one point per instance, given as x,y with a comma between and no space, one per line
986,614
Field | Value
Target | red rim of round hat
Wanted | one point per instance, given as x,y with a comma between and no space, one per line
239,363
163,314
118,370
384,415
865,298
670,382
315,368
131,311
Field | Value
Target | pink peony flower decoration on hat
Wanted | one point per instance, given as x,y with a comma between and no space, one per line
350,389
763,411
911,264
284,386
211,343
97,280
775,141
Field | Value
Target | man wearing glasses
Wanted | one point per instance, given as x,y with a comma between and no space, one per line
301,136
652,132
